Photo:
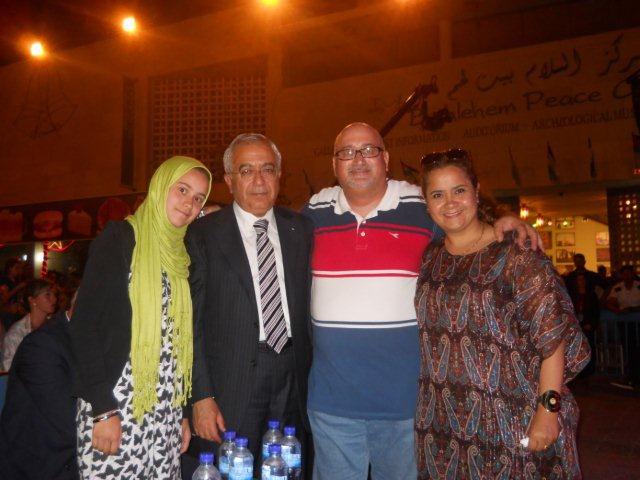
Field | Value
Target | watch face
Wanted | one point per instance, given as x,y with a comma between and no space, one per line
550,400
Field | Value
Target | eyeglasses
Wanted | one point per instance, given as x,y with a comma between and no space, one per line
350,153
452,154
267,171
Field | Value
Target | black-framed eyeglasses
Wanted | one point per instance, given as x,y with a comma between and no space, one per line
349,153
451,154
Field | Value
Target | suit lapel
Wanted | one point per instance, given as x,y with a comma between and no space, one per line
232,247
290,244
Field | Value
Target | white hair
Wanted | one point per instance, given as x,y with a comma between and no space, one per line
248,139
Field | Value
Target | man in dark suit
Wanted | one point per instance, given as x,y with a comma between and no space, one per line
38,427
250,286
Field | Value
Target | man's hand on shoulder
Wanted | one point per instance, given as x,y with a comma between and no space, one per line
207,420
523,230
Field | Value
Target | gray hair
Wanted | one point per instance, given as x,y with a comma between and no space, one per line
248,139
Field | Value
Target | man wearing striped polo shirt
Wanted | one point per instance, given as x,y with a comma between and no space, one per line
370,233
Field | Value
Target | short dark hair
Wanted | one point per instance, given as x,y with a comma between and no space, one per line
10,263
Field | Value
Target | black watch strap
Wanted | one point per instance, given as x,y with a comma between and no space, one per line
550,400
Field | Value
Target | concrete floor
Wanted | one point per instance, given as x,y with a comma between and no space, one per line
609,431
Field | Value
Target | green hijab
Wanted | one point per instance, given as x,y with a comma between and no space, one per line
160,247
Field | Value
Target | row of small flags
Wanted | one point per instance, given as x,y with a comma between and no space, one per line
413,175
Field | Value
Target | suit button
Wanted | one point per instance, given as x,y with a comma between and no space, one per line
253,363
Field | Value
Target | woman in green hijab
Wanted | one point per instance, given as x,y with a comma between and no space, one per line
132,333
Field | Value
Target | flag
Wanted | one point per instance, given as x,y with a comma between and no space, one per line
551,164
592,164
514,169
410,173
636,154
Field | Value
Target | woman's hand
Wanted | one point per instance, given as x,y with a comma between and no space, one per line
186,435
106,435
544,429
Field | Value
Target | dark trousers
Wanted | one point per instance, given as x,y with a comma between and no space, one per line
273,396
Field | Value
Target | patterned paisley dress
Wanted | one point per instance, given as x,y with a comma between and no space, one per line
486,321
148,450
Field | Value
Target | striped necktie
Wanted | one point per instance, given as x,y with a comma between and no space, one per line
275,328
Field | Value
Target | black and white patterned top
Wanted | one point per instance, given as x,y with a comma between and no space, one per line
150,450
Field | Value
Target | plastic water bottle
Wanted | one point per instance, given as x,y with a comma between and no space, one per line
273,435
224,453
292,453
206,470
274,467
241,461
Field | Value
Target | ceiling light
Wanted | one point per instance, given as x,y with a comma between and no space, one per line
37,50
129,24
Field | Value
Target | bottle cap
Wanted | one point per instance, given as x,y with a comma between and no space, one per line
290,431
273,424
206,457
242,441
229,435
275,448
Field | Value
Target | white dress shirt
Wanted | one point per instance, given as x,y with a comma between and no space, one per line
248,233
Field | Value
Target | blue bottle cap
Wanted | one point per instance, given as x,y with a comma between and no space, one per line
229,435
290,431
275,448
273,424
207,457
242,441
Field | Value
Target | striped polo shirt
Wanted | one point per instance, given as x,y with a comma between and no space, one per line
366,355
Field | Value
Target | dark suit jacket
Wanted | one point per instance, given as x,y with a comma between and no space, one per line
101,326
226,314
37,427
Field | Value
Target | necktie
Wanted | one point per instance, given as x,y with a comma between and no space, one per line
275,328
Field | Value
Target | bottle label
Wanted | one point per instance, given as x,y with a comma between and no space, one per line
267,475
265,450
293,460
239,471
223,465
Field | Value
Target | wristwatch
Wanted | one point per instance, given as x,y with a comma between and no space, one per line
550,400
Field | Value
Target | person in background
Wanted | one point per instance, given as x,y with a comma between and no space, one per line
131,333
499,341
37,426
12,285
582,286
625,299
41,302
625,295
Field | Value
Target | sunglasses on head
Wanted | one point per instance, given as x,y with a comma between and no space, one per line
452,154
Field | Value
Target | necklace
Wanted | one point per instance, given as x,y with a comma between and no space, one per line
471,247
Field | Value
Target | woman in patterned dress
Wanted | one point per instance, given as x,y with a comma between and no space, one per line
132,335
499,341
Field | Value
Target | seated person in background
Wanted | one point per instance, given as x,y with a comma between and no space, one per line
625,296
37,426
41,302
